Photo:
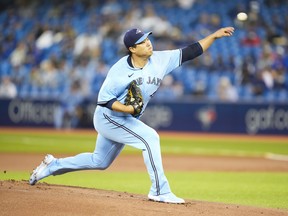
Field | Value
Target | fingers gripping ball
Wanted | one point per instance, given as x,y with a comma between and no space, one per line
134,98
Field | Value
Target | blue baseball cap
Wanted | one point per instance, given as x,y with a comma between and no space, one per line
134,36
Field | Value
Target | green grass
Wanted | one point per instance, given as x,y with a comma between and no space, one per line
224,146
44,143
244,188
74,143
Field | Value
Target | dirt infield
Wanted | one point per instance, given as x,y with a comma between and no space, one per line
19,198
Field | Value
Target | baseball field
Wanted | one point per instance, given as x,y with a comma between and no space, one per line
215,174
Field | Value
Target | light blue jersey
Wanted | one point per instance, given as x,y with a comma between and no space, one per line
116,129
148,78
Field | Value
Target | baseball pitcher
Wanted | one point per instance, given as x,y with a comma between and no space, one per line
130,84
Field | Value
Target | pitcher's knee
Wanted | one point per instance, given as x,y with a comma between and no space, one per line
154,137
102,167
153,141
100,164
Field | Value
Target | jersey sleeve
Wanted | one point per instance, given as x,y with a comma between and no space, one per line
171,58
106,93
113,87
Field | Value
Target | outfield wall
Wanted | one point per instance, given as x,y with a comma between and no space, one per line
244,118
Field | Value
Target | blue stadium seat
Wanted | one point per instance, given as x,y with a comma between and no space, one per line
187,20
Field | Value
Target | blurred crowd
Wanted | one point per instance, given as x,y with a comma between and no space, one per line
54,49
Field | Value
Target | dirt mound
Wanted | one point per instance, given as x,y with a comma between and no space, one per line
19,198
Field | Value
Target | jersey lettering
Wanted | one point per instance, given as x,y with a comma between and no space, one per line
155,81
139,81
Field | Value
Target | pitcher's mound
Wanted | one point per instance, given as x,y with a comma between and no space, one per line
19,198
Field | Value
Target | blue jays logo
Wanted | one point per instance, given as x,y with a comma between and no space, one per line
206,116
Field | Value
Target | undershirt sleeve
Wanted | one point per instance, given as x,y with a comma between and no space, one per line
108,104
192,51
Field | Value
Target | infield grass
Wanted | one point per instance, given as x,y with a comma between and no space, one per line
73,142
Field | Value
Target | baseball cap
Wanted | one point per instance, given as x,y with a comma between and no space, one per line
134,36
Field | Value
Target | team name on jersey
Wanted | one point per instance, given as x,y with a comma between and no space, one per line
156,81
151,80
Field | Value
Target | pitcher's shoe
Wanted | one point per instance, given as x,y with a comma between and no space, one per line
166,198
40,172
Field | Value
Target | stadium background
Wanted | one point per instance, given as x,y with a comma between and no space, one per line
59,53
54,56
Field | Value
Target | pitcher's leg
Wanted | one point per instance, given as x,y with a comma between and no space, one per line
153,161
105,153
139,135
160,190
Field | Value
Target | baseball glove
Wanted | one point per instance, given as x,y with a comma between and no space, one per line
134,98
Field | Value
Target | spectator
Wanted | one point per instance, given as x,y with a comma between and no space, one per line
226,91
111,7
20,75
186,4
207,61
248,71
49,74
159,25
200,89
69,111
35,77
18,56
251,40
7,88
258,85
267,77
170,88
98,78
